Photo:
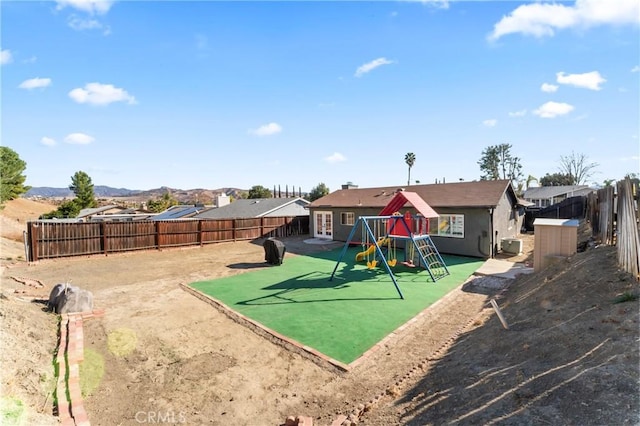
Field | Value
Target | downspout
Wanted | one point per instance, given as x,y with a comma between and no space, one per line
491,250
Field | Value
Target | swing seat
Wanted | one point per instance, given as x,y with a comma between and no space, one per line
372,264
392,262
409,264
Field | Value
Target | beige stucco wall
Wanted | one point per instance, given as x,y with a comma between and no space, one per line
553,238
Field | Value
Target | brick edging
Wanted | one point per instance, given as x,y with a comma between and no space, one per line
70,352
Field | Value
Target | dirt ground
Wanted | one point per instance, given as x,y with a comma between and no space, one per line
160,355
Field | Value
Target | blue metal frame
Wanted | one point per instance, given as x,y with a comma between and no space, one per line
363,221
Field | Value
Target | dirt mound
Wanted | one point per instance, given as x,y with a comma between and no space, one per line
16,213
570,355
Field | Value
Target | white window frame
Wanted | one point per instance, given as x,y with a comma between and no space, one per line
347,215
454,229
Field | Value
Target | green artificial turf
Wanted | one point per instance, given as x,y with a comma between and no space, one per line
341,318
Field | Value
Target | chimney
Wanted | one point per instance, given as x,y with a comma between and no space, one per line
349,185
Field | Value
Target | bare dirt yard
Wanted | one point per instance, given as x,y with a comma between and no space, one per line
161,355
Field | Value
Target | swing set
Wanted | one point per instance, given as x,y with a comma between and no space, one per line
380,235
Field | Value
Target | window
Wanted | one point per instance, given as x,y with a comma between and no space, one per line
347,218
447,225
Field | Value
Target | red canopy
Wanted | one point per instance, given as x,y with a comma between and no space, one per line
402,198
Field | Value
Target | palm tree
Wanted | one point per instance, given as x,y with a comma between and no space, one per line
410,159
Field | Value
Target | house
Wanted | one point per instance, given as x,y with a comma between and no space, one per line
111,213
258,207
473,216
181,212
545,196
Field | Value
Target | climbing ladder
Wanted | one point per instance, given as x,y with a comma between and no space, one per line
429,257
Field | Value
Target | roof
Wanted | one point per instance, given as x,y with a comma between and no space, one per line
404,197
178,212
556,222
98,210
249,208
484,193
544,192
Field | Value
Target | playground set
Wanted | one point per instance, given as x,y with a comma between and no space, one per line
381,234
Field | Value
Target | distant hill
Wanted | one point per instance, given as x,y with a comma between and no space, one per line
99,190
182,195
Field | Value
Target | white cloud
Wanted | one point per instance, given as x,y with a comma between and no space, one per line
521,113
336,157
549,88
267,130
100,94
79,24
589,80
543,19
31,60
34,83
5,57
490,123
79,139
439,4
93,7
48,141
553,109
636,68
370,66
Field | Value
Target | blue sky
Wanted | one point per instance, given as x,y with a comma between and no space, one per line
208,94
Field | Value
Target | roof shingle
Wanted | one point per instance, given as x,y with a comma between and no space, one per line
484,193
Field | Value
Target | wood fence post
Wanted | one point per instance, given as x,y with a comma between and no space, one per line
233,232
200,232
103,235
33,241
157,227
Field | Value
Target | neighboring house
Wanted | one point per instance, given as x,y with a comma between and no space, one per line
258,207
111,213
545,196
480,214
181,212
88,214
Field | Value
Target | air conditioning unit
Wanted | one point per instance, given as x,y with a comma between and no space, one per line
511,245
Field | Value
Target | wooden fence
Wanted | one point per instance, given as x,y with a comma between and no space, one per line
50,239
613,214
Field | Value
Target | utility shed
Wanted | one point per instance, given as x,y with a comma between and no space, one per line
554,238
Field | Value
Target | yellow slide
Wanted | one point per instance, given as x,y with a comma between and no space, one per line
372,248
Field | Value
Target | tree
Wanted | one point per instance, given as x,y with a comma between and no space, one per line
555,179
410,159
11,175
67,209
82,186
85,198
161,204
318,191
498,163
259,191
577,167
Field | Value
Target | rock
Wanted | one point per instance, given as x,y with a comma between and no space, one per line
65,299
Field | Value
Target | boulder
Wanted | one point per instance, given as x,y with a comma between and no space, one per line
65,299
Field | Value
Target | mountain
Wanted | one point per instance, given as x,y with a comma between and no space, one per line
100,191
198,195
